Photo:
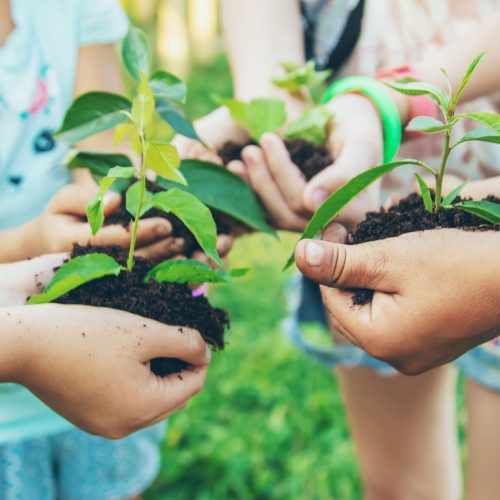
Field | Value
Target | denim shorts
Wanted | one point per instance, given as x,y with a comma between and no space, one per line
74,465
481,364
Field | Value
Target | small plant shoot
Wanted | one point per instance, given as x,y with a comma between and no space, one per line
447,104
157,96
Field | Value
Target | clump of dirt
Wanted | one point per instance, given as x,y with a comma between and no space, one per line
310,158
168,303
408,216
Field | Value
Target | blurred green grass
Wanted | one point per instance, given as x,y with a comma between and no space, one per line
269,423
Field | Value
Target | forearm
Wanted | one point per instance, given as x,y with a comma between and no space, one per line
258,36
13,334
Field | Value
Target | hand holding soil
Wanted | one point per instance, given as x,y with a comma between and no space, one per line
91,365
436,293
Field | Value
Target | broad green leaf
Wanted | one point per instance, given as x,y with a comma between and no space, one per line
95,208
128,130
132,200
98,164
257,117
190,271
143,106
327,212
426,125
175,114
425,193
136,53
121,172
487,210
167,86
163,159
450,198
91,114
221,190
310,126
75,273
301,75
420,88
466,79
195,216
481,135
491,120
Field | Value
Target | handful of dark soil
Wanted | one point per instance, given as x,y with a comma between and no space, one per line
408,216
169,303
310,158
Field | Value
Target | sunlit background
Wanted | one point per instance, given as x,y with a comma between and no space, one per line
269,423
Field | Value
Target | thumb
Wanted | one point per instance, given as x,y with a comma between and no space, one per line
345,266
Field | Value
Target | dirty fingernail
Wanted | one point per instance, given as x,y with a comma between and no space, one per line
319,195
314,254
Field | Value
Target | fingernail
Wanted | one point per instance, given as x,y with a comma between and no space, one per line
319,195
109,197
178,244
314,254
208,355
162,230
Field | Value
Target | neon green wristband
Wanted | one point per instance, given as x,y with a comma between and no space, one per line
389,113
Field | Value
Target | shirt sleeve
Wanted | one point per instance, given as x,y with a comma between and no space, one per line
100,22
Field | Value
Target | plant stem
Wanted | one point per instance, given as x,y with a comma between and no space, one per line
130,260
440,176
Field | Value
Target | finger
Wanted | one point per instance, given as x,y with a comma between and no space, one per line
225,243
334,233
163,249
287,175
267,190
237,167
392,201
346,266
351,161
163,341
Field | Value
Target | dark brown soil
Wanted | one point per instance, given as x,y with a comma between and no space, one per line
169,303
410,215
123,218
310,158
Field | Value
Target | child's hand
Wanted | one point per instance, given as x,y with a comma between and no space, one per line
436,293
91,365
64,223
356,145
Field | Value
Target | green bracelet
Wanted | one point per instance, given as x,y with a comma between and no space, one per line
388,111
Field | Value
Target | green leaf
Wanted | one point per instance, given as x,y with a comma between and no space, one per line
481,135
132,200
128,130
167,86
98,164
259,116
301,75
175,114
91,114
75,273
419,88
121,172
487,210
163,159
221,190
190,271
143,106
195,216
425,192
491,120
310,126
95,208
341,198
426,125
448,200
466,79
136,53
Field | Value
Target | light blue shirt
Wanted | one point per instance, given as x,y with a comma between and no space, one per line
38,65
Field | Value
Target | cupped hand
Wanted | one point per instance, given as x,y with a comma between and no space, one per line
436,293
64,223
91,365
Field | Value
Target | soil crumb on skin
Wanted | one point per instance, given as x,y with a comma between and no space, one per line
310,158
168,303
408,216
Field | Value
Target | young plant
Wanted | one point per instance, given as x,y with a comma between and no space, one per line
447,103
261,116
157,96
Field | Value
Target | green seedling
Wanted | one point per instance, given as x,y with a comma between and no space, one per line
447,103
